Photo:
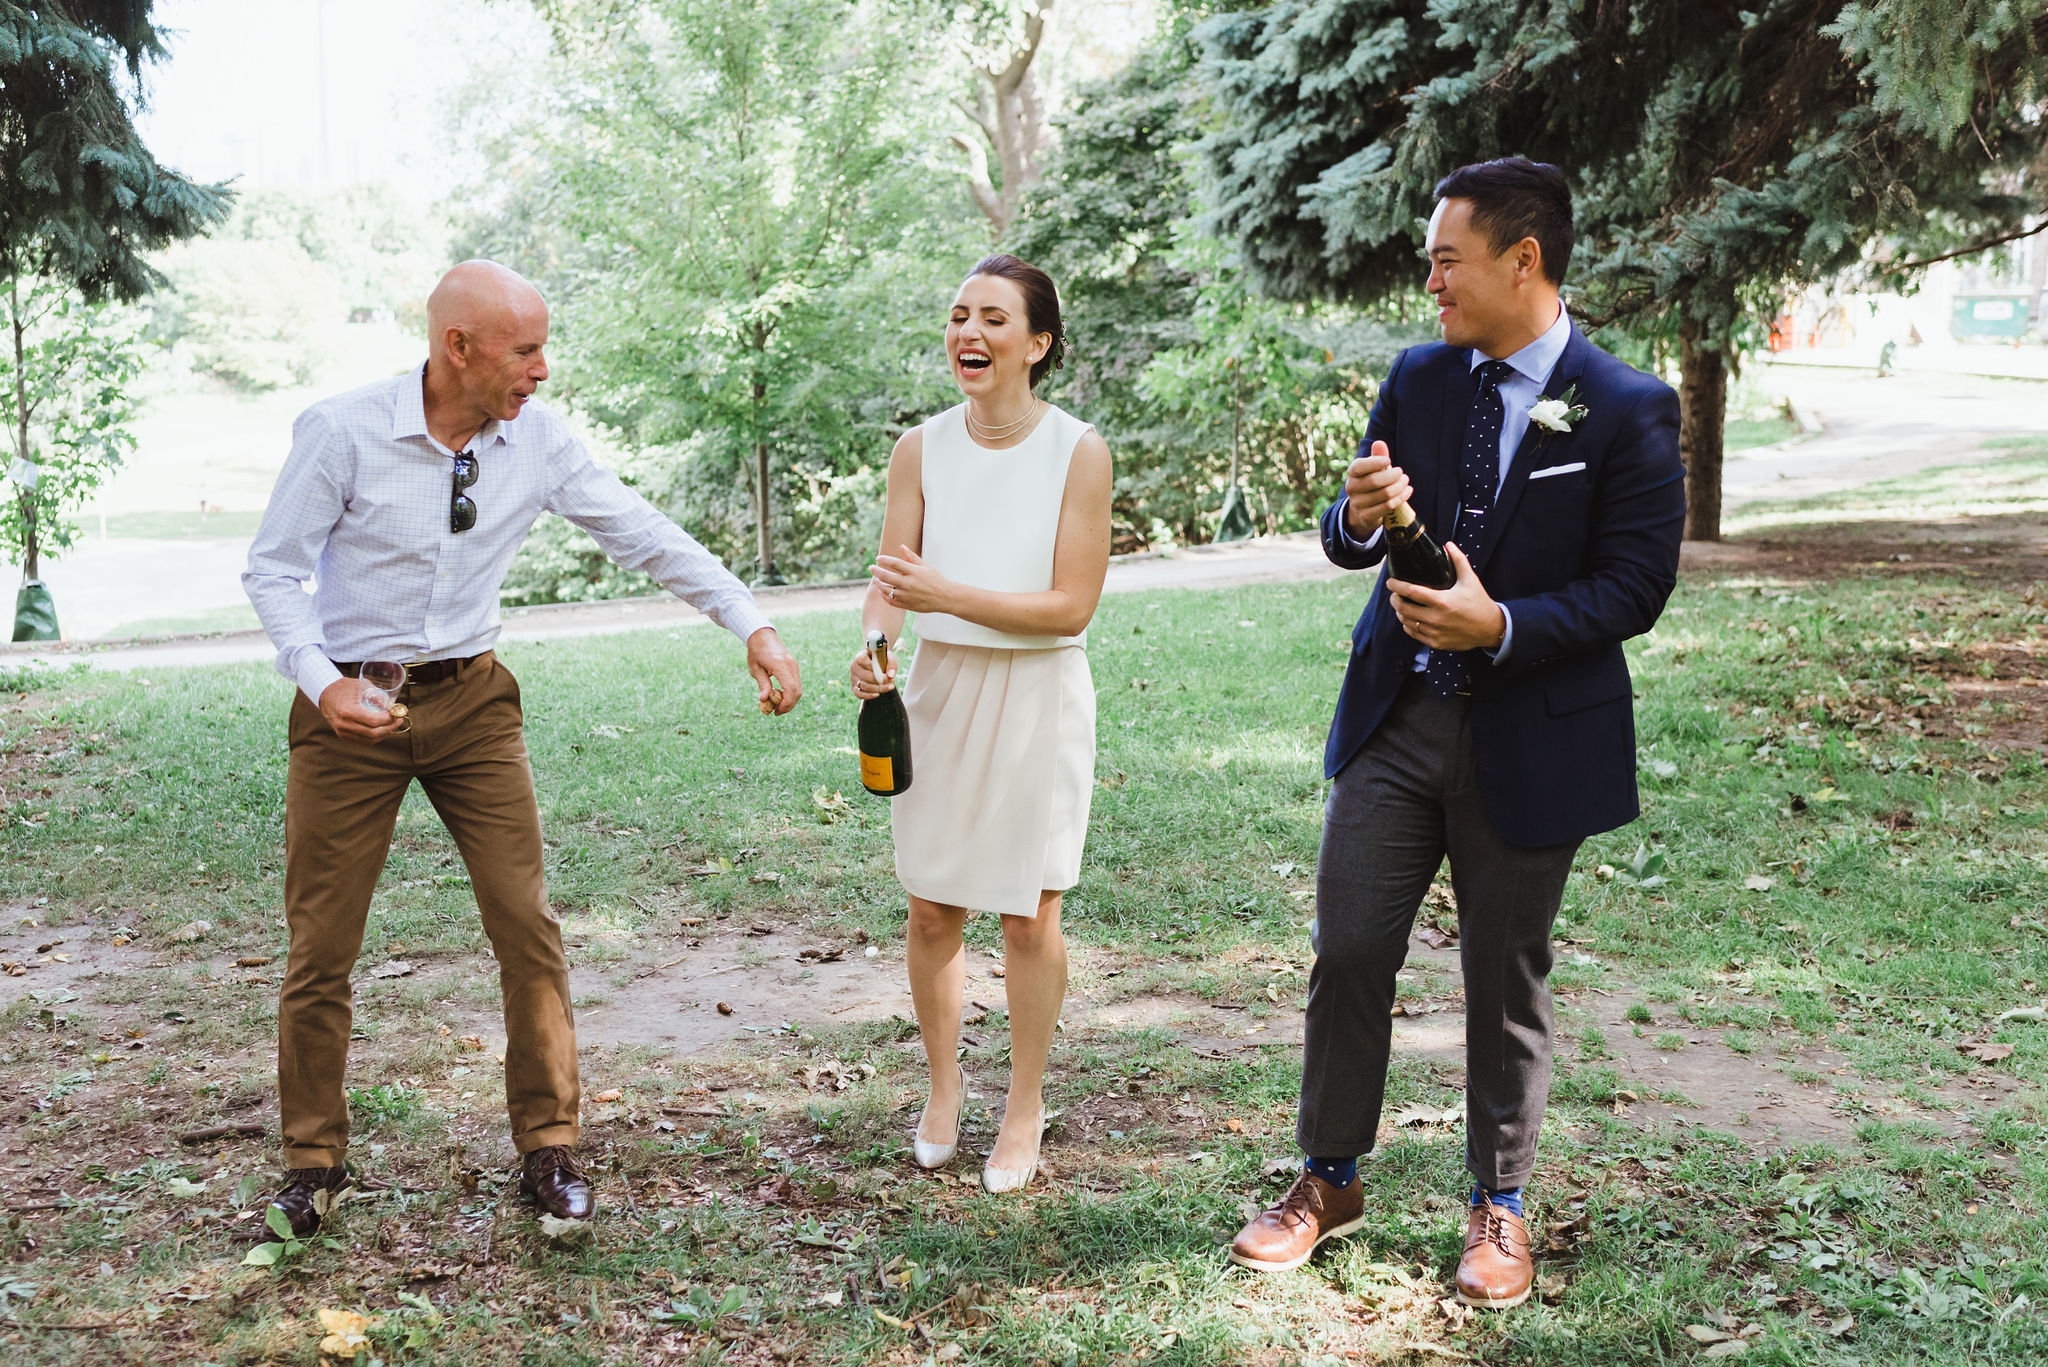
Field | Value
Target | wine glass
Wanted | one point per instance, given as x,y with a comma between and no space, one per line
385,678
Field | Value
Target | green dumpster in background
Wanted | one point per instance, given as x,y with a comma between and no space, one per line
1988,317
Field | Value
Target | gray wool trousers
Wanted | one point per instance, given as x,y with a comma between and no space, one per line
1409,799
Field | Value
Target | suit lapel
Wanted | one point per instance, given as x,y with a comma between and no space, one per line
1569,367
1457,413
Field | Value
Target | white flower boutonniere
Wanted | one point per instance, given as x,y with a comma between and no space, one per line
1558,414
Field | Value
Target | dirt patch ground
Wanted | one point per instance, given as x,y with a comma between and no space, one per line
1777,1096
59,966
2006,550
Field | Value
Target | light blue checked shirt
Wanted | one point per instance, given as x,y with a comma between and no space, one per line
1518,393
360,511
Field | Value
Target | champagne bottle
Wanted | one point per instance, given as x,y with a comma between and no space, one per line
1412,556
884,732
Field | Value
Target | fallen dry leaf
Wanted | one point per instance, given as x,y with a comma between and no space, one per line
347,1333
469,1042
725,1008
1562,1237
611,1094
397,968
565,1231
1986,1053
1727,1348
1756,882
1706,1333
1428,1115
253,961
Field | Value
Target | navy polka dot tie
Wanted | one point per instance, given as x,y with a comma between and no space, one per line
1450,672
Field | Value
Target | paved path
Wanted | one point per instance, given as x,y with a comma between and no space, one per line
1878,429
1268,560
1874,429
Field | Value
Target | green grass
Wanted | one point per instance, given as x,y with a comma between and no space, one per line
2012,485
180,525
240,617
1768,429
1777,728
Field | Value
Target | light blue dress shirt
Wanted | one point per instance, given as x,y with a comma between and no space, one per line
1531,367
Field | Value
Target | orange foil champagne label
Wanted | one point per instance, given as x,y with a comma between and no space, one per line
877,771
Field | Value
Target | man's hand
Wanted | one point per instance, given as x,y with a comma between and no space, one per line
1373,484
1461,617
352,718
770,662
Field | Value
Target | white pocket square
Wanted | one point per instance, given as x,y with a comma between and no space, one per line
1557,470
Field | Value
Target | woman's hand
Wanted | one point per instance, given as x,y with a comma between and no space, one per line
866,682
908,583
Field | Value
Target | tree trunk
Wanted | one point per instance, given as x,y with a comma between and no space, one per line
26,499
1011,116
1702,420
764,549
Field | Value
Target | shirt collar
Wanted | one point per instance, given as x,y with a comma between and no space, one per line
409,416
1540,357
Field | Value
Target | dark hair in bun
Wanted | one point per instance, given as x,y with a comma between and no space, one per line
1041,306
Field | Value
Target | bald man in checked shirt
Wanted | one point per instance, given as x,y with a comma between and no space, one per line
405,501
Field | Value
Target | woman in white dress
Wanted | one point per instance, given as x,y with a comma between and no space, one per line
997,536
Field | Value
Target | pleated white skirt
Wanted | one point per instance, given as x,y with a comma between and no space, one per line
1002,745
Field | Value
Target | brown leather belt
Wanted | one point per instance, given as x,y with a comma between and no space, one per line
421,672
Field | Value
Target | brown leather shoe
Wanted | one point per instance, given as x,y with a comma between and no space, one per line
1284,1235
1496,1271
553,1180
307,1197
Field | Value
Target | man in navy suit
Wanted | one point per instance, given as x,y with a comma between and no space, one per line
1489,722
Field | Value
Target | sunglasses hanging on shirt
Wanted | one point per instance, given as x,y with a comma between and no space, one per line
461,507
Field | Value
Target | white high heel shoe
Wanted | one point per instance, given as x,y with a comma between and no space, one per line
938,1155
998,1180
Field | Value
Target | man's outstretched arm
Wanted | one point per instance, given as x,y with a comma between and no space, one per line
635,534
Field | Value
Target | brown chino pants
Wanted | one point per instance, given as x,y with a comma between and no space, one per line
467,748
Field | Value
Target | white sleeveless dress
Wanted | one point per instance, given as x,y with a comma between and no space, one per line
1002,727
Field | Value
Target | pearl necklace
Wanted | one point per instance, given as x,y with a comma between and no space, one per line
982,430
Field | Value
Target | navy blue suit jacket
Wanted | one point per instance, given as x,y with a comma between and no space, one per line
1581,560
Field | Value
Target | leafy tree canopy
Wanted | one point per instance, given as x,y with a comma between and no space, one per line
1195,380
1719,154
737,217
81,197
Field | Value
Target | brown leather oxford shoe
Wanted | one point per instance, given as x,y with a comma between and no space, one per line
1497,1270
553,1180
1284,1235
307,1197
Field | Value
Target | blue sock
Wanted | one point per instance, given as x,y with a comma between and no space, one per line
1338,1172
1506,1200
